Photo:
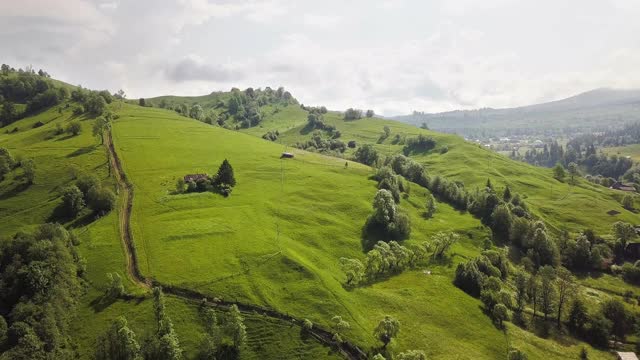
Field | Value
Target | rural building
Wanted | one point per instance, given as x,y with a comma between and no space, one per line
632,250
195,177
622,187
286,155
626,356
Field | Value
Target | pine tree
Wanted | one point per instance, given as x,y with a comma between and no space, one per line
225,174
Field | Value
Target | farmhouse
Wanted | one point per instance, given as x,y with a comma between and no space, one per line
195,177
286,155
622,187
626,356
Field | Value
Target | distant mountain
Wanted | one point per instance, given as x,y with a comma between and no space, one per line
590,110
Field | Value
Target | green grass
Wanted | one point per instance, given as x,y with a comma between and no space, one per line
277,239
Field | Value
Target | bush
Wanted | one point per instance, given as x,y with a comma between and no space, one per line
351,144
86,182
78,110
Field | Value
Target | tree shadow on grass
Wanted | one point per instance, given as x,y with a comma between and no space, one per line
59,215
82,151
308,128
20,187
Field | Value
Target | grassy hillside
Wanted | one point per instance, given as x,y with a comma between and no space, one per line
560,205
277,239
58,158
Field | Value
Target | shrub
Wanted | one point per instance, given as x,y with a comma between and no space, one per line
351,144
78,110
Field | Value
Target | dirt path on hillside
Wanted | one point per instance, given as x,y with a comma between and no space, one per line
325,337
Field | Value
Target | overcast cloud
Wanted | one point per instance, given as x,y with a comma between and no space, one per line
391,56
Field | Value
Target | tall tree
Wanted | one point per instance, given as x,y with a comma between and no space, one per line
225,174
565,283
547,290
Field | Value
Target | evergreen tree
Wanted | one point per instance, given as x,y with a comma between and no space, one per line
225,174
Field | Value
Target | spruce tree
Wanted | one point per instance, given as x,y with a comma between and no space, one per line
225,174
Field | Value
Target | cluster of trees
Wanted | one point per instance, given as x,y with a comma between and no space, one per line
546,283
244,106
387,220
318,143
353,114
418,144
93,103
41,280
388,258
223,338
120,342
8,164
315,120
222,182
88,191
580,151
35,90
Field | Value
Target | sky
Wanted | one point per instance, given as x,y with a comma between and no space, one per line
390,56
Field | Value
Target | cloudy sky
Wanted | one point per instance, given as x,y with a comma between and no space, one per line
391,56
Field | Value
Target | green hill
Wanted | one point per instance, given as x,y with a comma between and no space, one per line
277,239
276,242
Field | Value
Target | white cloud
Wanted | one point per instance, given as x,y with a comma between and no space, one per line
392,56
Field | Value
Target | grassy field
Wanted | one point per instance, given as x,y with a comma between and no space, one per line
277,239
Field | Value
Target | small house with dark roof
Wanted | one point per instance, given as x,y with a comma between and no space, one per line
622,187
286,155
195,177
